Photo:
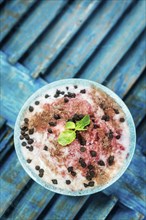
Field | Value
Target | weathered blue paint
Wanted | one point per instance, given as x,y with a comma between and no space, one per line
15,47
56,38
11,14
5,137
141,140
2,121
118,43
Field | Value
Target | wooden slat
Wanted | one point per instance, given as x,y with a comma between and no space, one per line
25,87
117,44
129,68
141,139
98,208
59,35
7,135
2,121
125,213
42,17
11,14
13,179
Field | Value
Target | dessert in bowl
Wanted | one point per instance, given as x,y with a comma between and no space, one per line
74,137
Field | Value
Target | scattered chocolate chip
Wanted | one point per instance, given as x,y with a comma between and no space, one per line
83,91
37,102
45,148
21,137
101,163
90,167
73,173
118,136
27,147
24,128
62,92
46,96
70,169
53,124
22,132
66,100
68,182
92,173
31,131
93,153
26,120
37,167
88,177
56,95
54,181
110,135
116,111
26,136
58,92
31,108
95,126
86,185
91,183
24,143
67,87
57,116
31,148
50,130
29,160
105,118
41,170
81,139
110,160
82,162
30,141
71,95
122,119
41,174
75,86
82,149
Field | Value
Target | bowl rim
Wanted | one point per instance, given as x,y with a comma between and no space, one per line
68,82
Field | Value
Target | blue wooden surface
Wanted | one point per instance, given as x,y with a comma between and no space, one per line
104,41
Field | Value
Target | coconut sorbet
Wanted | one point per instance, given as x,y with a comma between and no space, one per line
94,156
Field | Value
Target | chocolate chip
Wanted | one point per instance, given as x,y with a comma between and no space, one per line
66,100
53,124
23,132
46,96
71,95
70,169
67,87
37,167
62,92
27,147
54,181
37,102
31,108
105,118
82,149
24,128
110,135
90,167
101,163
118,136
75,86
58,92
92,173
82,162
85,185
41,171
45,148
95,126
93,153
81,139
88,177
31,148
116,111
91,183
73,173
110,160
68,182
83,91
21,137
41,174
122,119
26,120
30,141
26,136
50,130
57,116
29,161
24,143
56,95
31,131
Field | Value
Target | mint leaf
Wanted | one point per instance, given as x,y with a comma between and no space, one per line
80,125
70,125
66,137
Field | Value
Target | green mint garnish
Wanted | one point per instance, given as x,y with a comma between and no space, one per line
69,135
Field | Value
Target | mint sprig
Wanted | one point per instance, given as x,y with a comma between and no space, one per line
69,135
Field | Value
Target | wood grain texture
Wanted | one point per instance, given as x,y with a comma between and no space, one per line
21,40
59,35
11,14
